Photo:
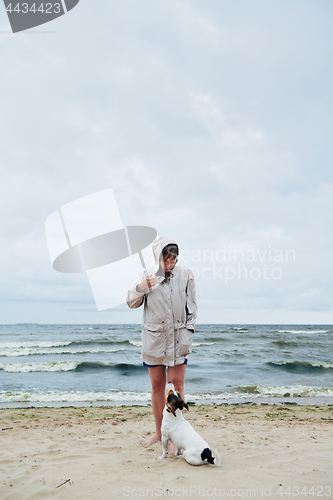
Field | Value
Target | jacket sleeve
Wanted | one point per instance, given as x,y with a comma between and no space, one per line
191,303
134,298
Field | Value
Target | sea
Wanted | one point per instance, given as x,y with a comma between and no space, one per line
80,365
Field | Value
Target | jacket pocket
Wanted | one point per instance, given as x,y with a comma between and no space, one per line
184,341
153,340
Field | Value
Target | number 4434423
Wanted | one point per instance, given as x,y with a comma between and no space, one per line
43,8
298,491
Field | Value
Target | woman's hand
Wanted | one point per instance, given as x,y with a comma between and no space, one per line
148,282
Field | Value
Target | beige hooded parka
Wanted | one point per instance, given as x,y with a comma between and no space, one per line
169,313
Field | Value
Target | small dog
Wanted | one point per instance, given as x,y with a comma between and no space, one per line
181,433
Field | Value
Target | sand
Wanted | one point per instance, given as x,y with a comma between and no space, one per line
277,452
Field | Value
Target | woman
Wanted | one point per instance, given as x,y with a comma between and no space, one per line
169,315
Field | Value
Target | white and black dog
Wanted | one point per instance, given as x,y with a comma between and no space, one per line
181,433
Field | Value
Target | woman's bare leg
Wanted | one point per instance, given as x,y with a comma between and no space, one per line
176,375
158,379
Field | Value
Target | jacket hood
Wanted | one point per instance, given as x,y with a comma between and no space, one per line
158,246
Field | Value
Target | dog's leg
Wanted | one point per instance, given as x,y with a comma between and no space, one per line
178,452
165,444
192,456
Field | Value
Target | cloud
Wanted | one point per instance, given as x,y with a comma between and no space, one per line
209,120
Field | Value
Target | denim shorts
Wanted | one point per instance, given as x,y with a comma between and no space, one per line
154,366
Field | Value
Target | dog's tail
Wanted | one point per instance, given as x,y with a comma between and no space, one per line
217,458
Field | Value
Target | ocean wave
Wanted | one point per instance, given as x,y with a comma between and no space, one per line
240,392
303,331
36,344
101,341
216,339
120,367
91,397
137,343
285,342
26,351
39,367
284,391
13,349
65,366
197,344
301,366
59,343
251,344
74,396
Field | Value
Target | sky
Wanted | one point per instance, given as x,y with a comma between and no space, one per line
212,123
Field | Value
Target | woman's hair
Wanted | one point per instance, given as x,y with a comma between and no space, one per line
171,249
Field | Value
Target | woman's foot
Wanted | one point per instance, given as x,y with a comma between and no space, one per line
149,441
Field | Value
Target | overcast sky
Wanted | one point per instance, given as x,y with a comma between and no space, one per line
211,121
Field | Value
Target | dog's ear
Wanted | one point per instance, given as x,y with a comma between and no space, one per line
185,405
171,408
180,403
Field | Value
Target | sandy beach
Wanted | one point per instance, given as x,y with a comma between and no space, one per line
95,453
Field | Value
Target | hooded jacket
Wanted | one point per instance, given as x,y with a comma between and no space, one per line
169,313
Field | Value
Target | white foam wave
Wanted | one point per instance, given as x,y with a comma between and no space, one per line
324,365
145,397
291,391
137,343
81,396
196,344
18,345
28,351
303,331
40,367
208,396
77,396
247,343
306,363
